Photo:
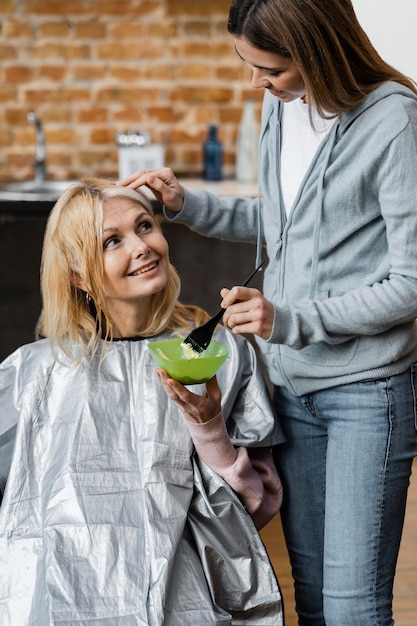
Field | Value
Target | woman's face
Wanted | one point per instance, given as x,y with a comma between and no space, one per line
136,264
271,71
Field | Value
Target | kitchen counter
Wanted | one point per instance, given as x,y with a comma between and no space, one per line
227,187
28,192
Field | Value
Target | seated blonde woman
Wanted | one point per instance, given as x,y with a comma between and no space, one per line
129,498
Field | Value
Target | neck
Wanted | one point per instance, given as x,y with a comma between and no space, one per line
128,321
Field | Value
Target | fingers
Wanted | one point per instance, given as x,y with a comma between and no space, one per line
135,180
237,294
247,312
170,193
139,178
213,392
163,184
195,408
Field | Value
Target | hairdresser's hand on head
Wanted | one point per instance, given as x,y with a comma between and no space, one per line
247,311
162,182
195,408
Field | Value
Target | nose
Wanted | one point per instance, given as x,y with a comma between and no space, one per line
259,81
138,247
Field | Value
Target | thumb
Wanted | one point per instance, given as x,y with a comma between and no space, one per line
213,391
154,182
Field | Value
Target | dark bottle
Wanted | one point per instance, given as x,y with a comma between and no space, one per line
212,155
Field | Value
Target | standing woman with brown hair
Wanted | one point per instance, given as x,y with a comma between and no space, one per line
336,321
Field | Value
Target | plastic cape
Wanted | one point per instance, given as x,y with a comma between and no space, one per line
108,517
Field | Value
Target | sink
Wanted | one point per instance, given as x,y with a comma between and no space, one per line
33,191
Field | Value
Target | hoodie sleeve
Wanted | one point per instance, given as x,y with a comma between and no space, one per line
232,219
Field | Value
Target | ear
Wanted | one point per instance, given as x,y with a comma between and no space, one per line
79,282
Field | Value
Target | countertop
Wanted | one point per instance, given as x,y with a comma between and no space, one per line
227,187
41,200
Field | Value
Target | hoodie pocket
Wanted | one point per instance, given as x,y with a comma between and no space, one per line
324,357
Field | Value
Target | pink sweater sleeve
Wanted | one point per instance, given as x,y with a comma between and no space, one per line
250,472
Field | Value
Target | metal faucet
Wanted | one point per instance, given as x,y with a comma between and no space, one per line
39,165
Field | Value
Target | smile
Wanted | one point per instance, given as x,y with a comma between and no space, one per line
143,270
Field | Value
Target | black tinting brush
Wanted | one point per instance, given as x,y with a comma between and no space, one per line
199,338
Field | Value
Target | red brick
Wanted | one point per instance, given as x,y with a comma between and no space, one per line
40,96
66,136
201,28
197,95
56,7
54,114
8,52
196,71
53,72
102,135
14,29
90,30
127,95
127,30
201,7
125,73
18,74
128,115
6,6
88,72
4,137
92,115
54,29
7,94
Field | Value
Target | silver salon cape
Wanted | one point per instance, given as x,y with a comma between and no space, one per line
108,518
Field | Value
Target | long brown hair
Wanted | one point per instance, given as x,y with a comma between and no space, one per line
335,57
74,320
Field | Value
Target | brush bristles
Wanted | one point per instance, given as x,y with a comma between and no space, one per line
192,346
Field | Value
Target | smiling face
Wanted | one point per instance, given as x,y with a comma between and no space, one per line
274,72
135,260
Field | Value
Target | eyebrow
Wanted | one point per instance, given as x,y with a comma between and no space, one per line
138,219
258,67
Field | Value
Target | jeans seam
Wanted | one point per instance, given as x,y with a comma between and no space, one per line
413,374
382,497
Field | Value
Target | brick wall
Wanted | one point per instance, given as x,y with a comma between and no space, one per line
91,68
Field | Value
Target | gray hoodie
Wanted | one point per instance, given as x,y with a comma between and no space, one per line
342,271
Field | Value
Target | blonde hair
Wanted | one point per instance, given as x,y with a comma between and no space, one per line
74,320
337,61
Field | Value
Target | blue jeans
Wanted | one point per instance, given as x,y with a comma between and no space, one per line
345,470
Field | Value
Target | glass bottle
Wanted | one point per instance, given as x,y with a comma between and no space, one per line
212,155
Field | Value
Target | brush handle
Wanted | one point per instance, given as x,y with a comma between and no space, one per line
200,337
219,315
252,275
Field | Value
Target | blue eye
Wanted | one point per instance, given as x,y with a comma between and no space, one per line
144,226
110,242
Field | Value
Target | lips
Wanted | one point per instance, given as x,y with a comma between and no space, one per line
144,269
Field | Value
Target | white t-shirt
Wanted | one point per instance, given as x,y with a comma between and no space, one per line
299,144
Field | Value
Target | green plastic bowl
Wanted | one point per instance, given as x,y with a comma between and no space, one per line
170,356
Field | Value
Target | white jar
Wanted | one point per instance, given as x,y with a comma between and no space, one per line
247,145
137,153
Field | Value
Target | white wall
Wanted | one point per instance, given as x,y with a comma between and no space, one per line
391,26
